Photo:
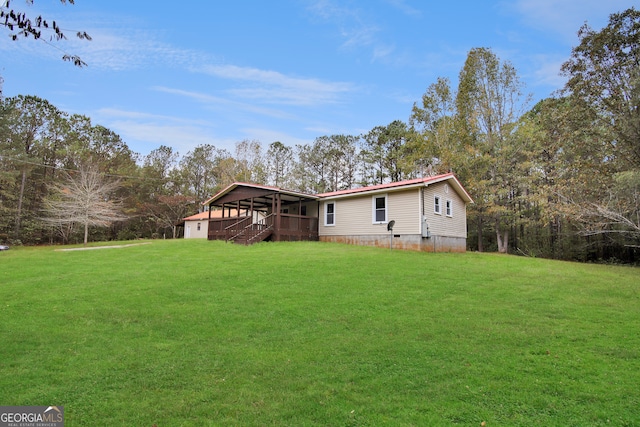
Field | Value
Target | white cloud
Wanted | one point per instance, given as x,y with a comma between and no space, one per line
123,50
405,8
269,135
382,52
273,87
136,115
353,27
224,104
565,17
547,71
150,130
182,138
117,43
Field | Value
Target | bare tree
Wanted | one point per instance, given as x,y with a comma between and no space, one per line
84,198
167,211
20,25
618,215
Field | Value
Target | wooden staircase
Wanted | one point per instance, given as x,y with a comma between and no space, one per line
248,234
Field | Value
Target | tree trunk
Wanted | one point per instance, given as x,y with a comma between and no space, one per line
86,232
503,240
20,198
480,247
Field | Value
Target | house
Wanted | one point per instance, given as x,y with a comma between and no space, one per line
197,226
425,214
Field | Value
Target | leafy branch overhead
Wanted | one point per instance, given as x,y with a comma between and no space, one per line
21,26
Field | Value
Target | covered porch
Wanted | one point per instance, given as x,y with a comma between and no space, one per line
253,213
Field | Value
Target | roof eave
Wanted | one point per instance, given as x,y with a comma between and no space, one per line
373,191
423,183
235,185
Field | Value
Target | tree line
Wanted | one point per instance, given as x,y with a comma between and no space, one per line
560,179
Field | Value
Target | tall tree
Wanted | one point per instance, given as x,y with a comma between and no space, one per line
226,170
384,149
373,157
346,161
197,171
156,170
489,102
279,163
604,75
30,119
604,72
251,164
435,148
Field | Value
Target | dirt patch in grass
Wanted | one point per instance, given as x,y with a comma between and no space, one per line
103,247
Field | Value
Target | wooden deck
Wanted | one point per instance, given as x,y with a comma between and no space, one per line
283,227
270,213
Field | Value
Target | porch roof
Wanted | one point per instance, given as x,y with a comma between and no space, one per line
259,196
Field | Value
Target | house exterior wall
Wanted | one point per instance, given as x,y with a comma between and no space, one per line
354,220
191,229
355,215
442,224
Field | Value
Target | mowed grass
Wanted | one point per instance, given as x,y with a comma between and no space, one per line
198,333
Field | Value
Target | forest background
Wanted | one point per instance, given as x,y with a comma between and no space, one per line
559,180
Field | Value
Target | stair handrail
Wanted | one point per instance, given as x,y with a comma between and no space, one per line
236,226
265,225
267,220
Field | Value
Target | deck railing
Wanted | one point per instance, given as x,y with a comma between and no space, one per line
289,227
236,229
218,227
258,231
296,227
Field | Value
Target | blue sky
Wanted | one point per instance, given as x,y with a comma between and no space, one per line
219,72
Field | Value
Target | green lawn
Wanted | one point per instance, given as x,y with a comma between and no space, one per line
197,333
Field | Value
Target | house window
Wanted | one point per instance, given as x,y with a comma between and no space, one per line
379,209
303,210
449,208
330,213
436,205
198,226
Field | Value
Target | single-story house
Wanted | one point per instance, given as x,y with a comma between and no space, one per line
425,214
197,226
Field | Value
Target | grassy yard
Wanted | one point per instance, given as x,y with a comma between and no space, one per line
197,333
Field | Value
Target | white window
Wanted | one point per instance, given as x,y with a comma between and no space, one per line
449,208
379,209
330,213
436,205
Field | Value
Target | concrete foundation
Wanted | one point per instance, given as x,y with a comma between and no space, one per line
411,242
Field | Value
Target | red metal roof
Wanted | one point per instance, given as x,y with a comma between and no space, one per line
345,193
205,215
403,184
